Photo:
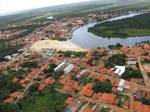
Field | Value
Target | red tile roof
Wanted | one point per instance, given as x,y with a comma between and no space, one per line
87,110
96,96
41,87
9,100
48,81
15,94
138,106
15,79
109,98
22,81
135,80
87,90
146,108
69,100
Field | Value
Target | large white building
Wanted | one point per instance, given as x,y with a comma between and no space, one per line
119,70
121,85
61,66
68,68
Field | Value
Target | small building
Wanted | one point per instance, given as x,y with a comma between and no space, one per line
119,70
50,17
121,85
83,73
131,62
61,66
8,57
47,51
68,68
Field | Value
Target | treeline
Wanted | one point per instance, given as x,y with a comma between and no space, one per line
135,26
116,59
6,49
23,27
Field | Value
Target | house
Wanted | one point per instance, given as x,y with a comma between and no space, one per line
69,101
87,90
138,106
50,17
68,68
8,57
131,62
119,70
82,74
8,100
108,98
146,108
87,110
60,66
121,85
15,94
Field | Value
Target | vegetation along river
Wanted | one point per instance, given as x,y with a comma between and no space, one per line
85,39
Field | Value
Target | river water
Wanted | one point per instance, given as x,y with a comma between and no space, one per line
84,39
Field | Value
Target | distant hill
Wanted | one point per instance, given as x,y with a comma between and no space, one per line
20,16
24,15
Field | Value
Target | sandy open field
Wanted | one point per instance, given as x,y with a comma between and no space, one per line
147,67
54,44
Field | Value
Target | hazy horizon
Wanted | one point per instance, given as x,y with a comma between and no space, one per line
8,7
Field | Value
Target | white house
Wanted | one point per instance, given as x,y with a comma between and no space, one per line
50,17
131,62
68,68
119,70
121,85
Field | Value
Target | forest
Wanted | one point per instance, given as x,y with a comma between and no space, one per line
128,27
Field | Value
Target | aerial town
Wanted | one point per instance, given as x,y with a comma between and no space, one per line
42,61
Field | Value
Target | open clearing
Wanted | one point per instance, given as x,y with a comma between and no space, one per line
54,44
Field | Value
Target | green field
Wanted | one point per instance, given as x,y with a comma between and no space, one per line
129,27
51,101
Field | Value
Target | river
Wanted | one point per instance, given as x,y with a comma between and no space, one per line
84,39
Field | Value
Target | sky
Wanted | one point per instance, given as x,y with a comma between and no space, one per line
8,6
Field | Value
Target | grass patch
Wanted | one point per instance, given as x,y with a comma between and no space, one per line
51,101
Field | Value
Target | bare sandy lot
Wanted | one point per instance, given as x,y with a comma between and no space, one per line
147,67
54,44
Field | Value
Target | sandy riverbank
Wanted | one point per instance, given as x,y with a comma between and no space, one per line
54,44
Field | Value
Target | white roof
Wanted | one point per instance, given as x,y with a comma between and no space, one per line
131,62
121,70
8,57
50,17
117,71
121,83
68,68
120,88
60,65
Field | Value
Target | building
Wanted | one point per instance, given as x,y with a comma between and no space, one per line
119,70
47,51
131,62
68,68
108,98
121,85
61,66
50,17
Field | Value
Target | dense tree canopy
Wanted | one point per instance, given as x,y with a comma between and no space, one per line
128,27
116,59
131,73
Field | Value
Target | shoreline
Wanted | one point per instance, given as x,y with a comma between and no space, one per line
98,22
55,44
